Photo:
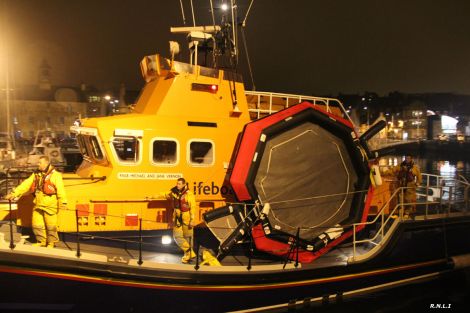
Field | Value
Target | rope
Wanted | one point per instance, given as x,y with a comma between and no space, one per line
319,197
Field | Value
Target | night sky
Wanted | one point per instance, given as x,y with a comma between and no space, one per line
307,47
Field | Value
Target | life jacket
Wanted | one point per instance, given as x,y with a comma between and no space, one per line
43,183
406,175
180,200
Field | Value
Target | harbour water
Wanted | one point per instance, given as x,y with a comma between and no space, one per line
452,167
449,294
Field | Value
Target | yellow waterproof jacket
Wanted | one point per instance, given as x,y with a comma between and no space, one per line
189,197
414,171
49,204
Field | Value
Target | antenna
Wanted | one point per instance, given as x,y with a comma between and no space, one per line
182,12
212,12
214,58
192,10
234,29
246,46
247,12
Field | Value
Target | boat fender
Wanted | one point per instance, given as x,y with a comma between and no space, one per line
375,175
323,239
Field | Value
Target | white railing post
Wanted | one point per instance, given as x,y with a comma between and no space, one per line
354,241
270,103
382,226
427,192
402,198
450,200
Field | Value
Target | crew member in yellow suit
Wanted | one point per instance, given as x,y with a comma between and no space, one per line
184,205
408,176
49,195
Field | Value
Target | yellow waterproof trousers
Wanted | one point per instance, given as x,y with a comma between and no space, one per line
183,235
45,227
409,198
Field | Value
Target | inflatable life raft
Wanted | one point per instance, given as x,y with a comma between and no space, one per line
302,176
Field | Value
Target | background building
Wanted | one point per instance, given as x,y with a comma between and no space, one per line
45,106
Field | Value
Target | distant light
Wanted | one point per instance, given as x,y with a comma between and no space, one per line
224,7
214,87
107,97
166,240
363,99
387,114
116,101
365,108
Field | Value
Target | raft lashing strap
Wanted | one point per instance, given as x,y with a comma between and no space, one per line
258,214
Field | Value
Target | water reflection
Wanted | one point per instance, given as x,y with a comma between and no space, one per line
446,169
431,165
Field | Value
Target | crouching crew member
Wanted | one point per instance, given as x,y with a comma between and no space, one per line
49,195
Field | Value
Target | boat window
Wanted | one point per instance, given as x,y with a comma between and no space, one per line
82,145
126,148
90,148
165,152
95,148
201,152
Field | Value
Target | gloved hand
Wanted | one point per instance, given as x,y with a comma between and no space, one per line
9,197
191,224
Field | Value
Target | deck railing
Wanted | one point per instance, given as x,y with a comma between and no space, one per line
442,196
139,242
261,103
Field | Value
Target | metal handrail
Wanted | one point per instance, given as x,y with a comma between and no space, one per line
399,206
139,239
299,98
